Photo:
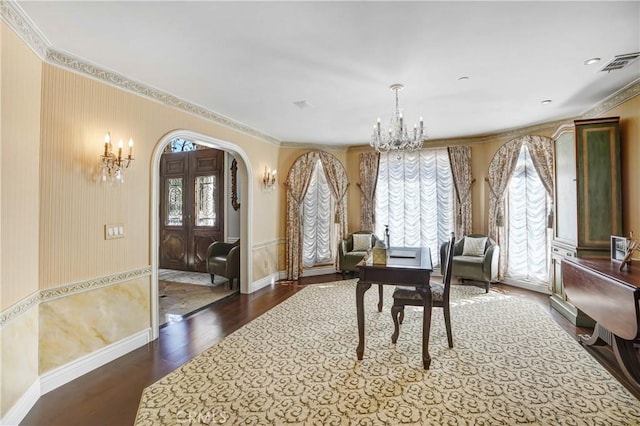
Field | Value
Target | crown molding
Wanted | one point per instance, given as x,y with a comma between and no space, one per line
548,127
27,30
13,15
47,295
621,96
315,146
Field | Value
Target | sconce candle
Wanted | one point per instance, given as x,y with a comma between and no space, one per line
269,178
113,166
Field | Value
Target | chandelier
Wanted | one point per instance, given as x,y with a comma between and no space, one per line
397,138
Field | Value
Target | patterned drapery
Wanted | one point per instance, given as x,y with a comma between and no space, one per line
297,184
368,179
460,160
541,150
500,171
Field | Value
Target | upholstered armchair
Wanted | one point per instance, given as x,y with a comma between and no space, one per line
475,258
353,249
224,259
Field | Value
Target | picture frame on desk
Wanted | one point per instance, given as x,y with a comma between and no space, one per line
619,247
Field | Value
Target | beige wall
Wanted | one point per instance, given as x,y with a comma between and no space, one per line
20,80
629,114
76,113
19,171
53,209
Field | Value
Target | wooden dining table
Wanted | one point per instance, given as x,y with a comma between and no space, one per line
406,266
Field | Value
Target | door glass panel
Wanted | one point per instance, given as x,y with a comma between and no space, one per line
174,202
205,201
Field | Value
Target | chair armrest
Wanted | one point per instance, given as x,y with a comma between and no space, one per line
218,248
233,262
490,263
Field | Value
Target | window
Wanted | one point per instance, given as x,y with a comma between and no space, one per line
527,209
415,197
317,220
181,145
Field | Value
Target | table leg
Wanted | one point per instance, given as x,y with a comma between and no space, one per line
380,291
627,356
426,325
361,288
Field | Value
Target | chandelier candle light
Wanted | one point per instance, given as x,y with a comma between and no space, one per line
113,166
269,178
397,139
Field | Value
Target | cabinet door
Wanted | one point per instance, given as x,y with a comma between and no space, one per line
566,229
598,175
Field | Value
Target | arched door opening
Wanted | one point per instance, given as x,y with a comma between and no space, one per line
244,176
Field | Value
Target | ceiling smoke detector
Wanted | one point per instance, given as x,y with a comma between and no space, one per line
620,61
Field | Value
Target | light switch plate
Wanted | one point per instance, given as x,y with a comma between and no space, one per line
114,231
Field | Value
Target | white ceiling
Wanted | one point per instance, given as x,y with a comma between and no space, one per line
251,61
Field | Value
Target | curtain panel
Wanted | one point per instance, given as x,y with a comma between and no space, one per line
460,160
415,197
297,183
317,224
500,171
368,180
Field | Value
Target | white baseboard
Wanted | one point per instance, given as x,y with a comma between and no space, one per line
263,282
21,408
66,373
537,287
322,270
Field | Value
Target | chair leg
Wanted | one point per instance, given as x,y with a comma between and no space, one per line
396,311
486,286
401,315
447,324
212,278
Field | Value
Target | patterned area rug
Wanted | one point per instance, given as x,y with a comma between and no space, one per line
195,278
296,364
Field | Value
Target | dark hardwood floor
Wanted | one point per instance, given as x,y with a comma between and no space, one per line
110,394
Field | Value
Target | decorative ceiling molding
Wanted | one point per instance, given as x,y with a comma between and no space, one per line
13,15
70,62
507,135
18,20
315,146
619,97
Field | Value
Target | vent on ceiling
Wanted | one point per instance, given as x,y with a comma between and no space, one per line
620,61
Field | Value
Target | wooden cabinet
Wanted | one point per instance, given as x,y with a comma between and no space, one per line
587,208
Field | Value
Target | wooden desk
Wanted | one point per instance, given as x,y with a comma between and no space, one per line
610,297
409,271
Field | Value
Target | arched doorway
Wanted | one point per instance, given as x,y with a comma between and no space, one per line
244,171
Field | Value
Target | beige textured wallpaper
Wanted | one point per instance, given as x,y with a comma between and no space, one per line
76,113
19,171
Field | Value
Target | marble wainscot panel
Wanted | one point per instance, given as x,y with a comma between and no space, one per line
265,259
19,349
82,323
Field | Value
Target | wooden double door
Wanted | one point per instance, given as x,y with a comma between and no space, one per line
191,207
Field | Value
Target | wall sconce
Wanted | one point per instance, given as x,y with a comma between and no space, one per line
269,178
113,166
